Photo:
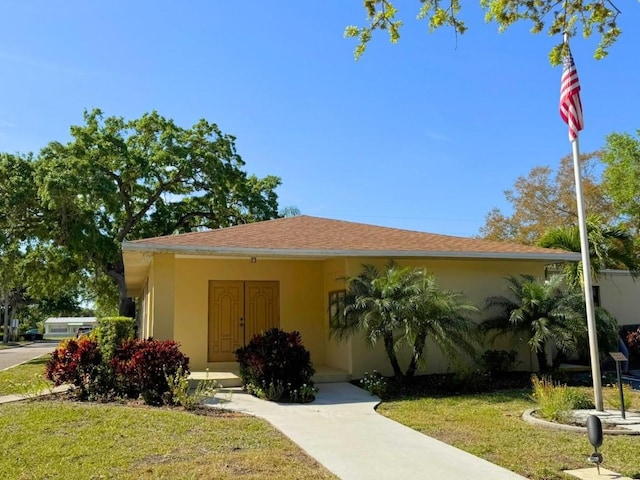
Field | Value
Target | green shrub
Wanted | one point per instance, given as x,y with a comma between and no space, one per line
579,399
555,400
498,362
275,365
468,380
375,383
180,392
142,368
612,396
111,332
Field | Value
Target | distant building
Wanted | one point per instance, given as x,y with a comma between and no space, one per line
67,326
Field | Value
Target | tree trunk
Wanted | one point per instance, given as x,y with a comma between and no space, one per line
391,354
418,350
542,361
126,305
5,334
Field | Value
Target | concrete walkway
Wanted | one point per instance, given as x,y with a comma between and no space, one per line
342,431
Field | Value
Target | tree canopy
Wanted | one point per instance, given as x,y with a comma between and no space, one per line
622,175
546,198
557,17
122,180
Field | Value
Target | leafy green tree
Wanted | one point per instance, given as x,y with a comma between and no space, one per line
538,310
403,306
608,248
546,198
622,175
35,275
120,180
557,17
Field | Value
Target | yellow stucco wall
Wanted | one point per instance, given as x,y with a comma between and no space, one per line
178,288
620,295
477,279
163,296
338,354
301,300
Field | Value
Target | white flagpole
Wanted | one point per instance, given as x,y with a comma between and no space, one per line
588,290
586,274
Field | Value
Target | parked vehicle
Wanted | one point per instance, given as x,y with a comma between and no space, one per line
32,334
83,331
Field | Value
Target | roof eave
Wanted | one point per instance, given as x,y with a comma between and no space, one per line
320,253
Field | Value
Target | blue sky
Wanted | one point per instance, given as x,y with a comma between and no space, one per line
424,135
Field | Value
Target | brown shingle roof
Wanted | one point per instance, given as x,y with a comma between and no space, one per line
304,235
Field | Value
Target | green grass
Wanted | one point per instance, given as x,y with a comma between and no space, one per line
25,379
54,439
490,426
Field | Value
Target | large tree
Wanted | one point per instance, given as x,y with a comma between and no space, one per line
555,15
546,198
622,175
120,180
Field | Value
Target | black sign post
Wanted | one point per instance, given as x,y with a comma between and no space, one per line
619,357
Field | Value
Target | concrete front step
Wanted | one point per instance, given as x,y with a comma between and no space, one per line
228,375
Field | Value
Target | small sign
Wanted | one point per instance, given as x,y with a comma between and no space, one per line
618,356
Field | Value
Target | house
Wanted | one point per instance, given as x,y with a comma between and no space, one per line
62,327
617,291
212,291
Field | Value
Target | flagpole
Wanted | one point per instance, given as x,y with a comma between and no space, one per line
586,275
588,290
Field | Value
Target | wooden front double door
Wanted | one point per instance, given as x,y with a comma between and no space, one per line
237,311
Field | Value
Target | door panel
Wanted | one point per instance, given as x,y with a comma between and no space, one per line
262,310
238,311
226,310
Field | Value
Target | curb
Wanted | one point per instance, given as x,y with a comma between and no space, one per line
21,398
10,345
529,418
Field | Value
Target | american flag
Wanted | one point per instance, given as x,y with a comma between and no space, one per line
570,105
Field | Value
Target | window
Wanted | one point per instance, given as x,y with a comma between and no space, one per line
336,307
596,295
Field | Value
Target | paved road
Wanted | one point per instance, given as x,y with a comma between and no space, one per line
14,356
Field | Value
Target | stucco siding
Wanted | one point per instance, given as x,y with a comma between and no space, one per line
620,295
163,295
338,354
301,300
477,279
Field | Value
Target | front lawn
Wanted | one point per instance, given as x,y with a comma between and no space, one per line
490,426
62,439
25,379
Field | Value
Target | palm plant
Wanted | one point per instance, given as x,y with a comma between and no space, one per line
540,310
608,248
403,306
444,317
606,327
376,304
